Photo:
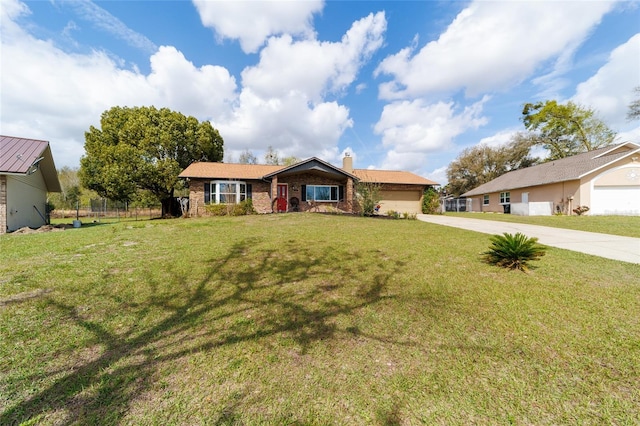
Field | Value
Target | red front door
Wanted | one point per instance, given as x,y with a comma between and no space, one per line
282,198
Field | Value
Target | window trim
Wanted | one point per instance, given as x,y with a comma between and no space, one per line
485,200
505,197
212,189
334,190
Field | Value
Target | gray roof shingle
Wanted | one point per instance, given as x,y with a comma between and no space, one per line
565,169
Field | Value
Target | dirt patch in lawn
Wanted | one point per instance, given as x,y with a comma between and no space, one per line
45,228
21,297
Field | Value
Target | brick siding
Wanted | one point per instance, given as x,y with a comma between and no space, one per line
260,193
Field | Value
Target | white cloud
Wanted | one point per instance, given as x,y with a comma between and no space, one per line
252,22
67,33
610,90
290,124
49,94
10,10
61,103
285,107
410,161
438,175
631,135
553,83
503,137
411,129
313,67
205,92
499,139
93,13
491,46
53,95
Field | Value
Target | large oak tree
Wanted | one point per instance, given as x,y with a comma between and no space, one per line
145,148
566,130
481,163
634,106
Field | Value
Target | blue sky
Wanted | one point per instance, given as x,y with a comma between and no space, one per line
398,85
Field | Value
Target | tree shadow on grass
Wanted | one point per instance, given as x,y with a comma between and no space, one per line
288,288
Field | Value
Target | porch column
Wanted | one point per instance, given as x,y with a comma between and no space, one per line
274,194
349,195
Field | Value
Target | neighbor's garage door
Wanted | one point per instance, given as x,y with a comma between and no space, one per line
401,201
615,200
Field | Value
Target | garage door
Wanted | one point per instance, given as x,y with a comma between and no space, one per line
615,200
401,201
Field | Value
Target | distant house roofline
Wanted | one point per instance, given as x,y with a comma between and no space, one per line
615,147
212,170
556,171
628,154
23,156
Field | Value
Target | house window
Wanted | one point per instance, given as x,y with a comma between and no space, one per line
226,192
485,200
505,197
321,193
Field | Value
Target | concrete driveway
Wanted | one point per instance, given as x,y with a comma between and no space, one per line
626,249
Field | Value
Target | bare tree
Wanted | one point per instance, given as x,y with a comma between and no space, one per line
271,156
634,106
247,157
482,163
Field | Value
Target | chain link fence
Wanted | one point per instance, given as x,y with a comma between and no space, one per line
103,208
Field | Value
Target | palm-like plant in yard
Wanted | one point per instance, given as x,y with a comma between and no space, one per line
513,251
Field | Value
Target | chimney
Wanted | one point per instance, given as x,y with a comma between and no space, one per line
347,163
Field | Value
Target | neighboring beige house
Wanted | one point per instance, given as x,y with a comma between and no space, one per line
27,173
310,185
606,180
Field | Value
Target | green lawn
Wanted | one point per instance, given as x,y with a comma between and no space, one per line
309,319
627,226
